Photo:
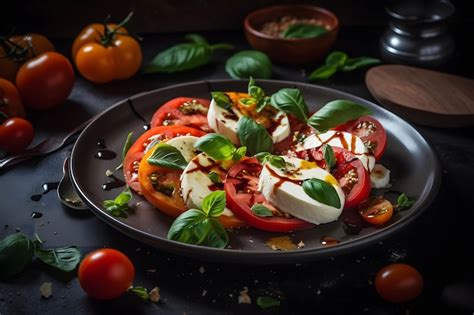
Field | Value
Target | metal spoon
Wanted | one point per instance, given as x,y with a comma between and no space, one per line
66,193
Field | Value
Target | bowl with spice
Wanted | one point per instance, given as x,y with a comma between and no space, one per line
292,34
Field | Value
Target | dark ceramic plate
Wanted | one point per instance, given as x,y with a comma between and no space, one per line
413,164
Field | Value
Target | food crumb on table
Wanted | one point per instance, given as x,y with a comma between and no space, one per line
155,295
244,298
46,289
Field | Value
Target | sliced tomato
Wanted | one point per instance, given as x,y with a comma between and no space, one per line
376,211
298,131
371,131
183,111
241,191
349,171
137,150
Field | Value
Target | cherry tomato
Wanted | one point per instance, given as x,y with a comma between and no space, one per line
15,135
377,211
10,100
103,54
45,81
371,131
398,283
15,50
106,274
240,186
183,111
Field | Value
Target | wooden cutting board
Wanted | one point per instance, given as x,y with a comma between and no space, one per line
423,96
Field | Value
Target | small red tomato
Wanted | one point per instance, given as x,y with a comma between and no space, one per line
15,135
45,81
377,211
398,283
106,274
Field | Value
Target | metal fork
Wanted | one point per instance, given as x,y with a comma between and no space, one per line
43,148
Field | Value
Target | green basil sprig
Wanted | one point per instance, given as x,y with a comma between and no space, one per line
254,136
265,302
291,101
340,61
214,177
119,206
201,226
186,56
126,146
275,160
404,202
329,157
249,63
303,31
63,258
222,100
219,147
322,191
261,211
167,156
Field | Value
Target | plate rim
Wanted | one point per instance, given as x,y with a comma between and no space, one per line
248,256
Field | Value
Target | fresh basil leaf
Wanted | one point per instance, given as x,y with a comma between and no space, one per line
265,302
321,191
275,160
322,73
141,292
239,153
336,59
222,100
128,143
201,230
261,211
304,31
291,101
255,91
249,63
217,236
214,177
182,228
167,156
214,204
359,62
180,58
119,206
329,157
62,258
217,146
16,252
262,103
403,202
335,113
196,38
254,136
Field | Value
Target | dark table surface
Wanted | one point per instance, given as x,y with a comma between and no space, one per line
438,243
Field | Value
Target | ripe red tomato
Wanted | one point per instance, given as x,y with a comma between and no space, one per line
106,274
45,81
376,211
10,100
398,283
15,135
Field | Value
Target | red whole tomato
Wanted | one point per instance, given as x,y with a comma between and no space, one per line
45,81
371,131
240,186
398,283
15,135
349,172
183,111
106,274
10,100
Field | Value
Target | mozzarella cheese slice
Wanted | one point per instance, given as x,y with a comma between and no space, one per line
380,176
225,121
195,181
283,189
185,145
340,139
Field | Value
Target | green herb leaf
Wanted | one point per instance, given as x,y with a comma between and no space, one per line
304,31
254,136
239,153
261,211
322,73
321,191
214,177
291,101
265,302
275,160
214,204
336,59
141,292
196,38
167,156
119,206
222,100
217,236
255,91
217,146
403,202
128,143
16,252
62,258
249,63
335,113
359,62
329,157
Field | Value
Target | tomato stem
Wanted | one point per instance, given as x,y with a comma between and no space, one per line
13,50
109,34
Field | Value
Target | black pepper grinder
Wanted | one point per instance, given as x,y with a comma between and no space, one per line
418,33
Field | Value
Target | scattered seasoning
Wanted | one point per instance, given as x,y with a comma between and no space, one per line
202,270
204,292
244,298
151,271
277,27
46,289
155,295
109,173
282,243
301,244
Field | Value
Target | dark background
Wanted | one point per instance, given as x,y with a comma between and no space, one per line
439,244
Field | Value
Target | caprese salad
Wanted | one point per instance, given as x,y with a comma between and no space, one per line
248,159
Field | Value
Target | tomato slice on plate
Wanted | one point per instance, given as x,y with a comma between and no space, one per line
241,191
298,130
376,211
183,111
137,150
371,131
349,172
